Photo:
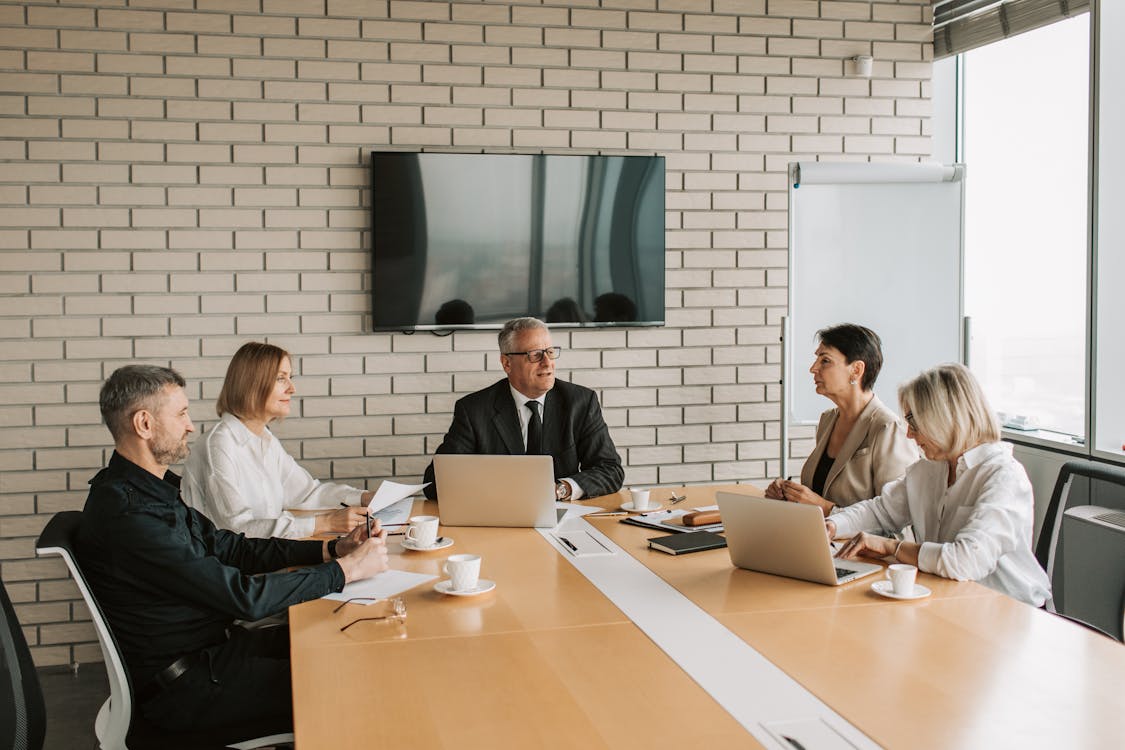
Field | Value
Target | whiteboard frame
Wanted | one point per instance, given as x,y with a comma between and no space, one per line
841,174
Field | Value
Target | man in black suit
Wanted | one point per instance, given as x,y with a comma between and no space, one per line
564,421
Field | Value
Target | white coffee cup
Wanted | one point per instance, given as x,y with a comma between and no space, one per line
640,498
422,531
902,578
463,571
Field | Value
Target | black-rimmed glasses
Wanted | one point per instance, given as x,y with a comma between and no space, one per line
909,417
536,355
397,607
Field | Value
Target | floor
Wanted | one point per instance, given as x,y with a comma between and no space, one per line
73,698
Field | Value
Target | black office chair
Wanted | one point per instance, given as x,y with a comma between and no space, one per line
23,718
117,721
1089,499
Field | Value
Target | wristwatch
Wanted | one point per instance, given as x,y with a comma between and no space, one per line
562,490
332,548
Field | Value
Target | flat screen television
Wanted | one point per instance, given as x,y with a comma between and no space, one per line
472,240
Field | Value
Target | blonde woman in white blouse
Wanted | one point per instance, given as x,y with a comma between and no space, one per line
970,501
240,477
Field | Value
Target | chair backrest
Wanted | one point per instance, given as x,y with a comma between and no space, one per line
23,718
1088,500
112,724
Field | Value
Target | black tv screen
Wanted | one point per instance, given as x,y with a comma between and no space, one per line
472,240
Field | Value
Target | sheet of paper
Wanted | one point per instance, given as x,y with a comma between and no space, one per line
669,519
391,492
581,543
383,586
396,513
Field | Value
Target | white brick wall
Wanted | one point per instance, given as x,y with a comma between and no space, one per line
176,181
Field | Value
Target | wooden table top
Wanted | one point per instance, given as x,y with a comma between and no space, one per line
545,660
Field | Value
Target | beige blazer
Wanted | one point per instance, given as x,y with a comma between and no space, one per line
875,452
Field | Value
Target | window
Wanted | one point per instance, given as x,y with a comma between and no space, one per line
1026,125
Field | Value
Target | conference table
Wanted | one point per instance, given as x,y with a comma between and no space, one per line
547,660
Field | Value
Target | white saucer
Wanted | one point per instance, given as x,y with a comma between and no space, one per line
409,544
651,507
884,588
483,585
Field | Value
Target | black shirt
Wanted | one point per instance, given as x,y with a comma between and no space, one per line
820,474
169,582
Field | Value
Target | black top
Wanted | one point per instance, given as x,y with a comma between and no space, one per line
169,582
823,466
574,434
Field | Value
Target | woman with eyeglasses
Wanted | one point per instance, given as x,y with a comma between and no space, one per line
860,443
240,476
970,501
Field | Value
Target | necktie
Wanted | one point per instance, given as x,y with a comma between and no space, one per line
534,430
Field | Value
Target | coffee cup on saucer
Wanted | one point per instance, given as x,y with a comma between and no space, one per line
902,578
422,531
640,497
463,571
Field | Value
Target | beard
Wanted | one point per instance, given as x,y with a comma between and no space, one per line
167,450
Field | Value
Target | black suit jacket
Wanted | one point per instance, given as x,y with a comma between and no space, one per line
574,434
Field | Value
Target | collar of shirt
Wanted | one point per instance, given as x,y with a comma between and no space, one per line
524,413
165,489
243,436
982,453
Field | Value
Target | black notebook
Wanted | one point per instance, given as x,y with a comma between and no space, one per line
681,544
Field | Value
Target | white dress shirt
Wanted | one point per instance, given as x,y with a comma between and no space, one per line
524,415
243,482
979,529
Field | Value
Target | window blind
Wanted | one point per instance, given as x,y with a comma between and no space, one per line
962,25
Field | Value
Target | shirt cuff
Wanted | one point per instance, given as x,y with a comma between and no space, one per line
929,557
576,492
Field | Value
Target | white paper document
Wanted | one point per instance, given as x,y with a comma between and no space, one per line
391,492
670,519
395,514
383,586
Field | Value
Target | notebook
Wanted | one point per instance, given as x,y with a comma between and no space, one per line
692,541
514,491
785,539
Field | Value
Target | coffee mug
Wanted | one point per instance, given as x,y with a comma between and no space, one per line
463,571
640,498
422,531
902,578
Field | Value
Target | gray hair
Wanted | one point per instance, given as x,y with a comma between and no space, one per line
130,389
949,408
514,327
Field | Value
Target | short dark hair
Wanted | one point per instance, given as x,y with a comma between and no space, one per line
130,389
856,342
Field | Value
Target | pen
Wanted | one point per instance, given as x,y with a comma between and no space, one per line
610,513
568,543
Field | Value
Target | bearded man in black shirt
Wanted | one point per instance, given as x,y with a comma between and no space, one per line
171,585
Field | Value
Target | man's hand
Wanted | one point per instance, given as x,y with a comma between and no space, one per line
362,557
340,521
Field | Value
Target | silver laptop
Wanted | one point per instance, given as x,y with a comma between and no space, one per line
785,539
496,490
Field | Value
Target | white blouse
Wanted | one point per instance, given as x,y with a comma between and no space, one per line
244,483
979,529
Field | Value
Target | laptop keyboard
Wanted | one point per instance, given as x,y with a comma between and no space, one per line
841,572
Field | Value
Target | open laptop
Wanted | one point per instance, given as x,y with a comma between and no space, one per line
496,490
785,539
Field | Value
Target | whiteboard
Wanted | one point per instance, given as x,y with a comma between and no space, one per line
878,245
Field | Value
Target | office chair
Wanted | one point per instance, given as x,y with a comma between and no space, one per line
1087,503
116,721
23,718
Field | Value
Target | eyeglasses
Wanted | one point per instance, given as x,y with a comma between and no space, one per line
537,355
909,417
396,605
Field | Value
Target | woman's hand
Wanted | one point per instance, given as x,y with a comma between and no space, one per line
366,498
773,492
866,545
340,521
830,530
795,492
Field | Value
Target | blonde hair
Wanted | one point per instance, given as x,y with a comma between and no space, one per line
948,406
251,376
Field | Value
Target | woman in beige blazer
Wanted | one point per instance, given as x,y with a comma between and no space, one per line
860,444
